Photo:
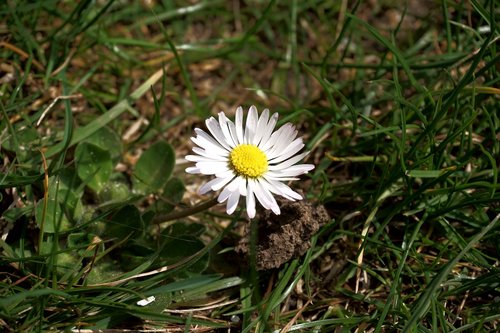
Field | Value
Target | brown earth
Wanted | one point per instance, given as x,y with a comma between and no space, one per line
285,236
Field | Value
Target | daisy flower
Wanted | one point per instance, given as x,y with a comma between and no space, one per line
250,160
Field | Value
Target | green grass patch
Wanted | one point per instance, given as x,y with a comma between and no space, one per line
397,103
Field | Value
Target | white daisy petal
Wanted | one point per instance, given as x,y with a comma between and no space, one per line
234,134
224,194
197,158
282,141
204,137
289,162
265,196
223,123
292,149
268,130
292,171
232,130
251,125
232,202
251,160
250,201
243,186
277,138
214,128
214,164
225,173
281,178
261,197
230,188
239,124
212,155
261,125
214,185
221,183
205,141
193,170
213,168
281,189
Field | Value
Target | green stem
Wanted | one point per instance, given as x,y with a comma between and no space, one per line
252,258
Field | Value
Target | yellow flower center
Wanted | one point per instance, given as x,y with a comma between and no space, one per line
248,161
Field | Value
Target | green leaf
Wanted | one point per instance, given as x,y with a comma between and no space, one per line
114,191
26,139
53,219
107,139
125,222
171,195
66,186
174,190
154,167
94,165
47,247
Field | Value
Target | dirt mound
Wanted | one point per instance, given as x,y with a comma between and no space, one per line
286,236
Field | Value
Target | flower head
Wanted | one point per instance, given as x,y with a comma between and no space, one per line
251,160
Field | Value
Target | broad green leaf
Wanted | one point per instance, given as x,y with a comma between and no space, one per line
47,246
55,219
125,222
174,190
66,187
69,180
114,191
154,167
72,204
172,194
107,139
27,141
94,165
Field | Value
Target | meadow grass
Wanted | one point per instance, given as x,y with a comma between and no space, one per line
397,102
